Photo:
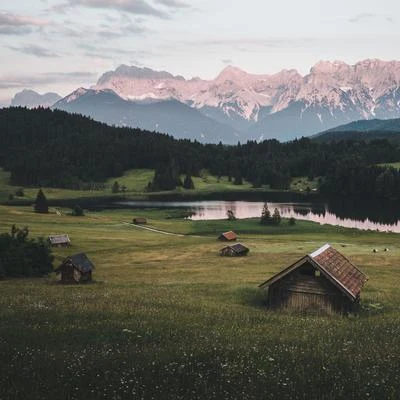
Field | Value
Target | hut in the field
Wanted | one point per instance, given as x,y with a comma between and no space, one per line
234,250
323,281
140,221
59,240
228,236
76,269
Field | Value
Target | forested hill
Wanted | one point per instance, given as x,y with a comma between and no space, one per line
373,129
42,147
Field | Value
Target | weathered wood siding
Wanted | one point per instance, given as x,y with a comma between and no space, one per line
305,289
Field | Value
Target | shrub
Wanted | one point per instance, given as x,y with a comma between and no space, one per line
77,211
20,256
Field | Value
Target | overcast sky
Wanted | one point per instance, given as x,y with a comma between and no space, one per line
59,45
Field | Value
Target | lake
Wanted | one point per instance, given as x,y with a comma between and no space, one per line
349,213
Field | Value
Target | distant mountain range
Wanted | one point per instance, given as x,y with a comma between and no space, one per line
31,99
237,105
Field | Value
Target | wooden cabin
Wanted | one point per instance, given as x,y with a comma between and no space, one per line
323,281
234,250
228,236
59,240
140,221
76,269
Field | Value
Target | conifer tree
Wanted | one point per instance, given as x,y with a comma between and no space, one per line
115,187
265,215
188,182
276,217
41,205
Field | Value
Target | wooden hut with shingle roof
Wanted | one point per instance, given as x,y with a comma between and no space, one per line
76,269
323,281
234,250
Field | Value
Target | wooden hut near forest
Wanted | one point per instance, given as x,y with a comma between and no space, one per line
139,221
59,240
234,250
227,236
76,269
323,281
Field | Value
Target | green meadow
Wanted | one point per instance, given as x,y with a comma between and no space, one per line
168,318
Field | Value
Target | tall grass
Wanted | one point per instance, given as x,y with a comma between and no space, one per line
167,318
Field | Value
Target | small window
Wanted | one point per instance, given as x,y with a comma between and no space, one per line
317,272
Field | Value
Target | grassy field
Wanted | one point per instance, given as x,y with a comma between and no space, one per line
135,182
395,165
167,318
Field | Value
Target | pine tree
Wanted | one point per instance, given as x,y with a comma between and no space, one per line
265,215
77,211
231,215
238,179
276,217
115,187
188,182
41,205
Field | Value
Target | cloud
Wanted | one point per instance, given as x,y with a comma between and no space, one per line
137,7
12,24
365,16
227,61
173,3
21,81
34,50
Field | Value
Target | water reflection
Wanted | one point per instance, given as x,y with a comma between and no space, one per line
342,212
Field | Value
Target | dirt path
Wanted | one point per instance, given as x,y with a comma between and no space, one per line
156,230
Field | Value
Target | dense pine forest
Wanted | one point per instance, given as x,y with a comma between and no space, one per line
42,147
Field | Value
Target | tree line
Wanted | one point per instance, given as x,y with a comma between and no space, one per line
42,147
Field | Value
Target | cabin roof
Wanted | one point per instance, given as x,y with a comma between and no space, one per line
334,265
230,235
237,248
59,239
81,262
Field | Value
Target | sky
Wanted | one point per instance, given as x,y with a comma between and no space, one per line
59,45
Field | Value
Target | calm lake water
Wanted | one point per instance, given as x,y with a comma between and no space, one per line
381,216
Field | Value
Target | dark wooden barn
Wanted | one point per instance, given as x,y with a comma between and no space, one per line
323,281
76,269
228,236
234,250
59,240
140,221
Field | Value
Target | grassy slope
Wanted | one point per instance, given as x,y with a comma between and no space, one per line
168,318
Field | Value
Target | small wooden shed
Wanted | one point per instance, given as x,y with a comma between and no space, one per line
229,236
234,250
139,221
59,240
76,269
323,281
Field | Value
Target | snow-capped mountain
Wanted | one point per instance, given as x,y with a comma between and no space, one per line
283,105
32,99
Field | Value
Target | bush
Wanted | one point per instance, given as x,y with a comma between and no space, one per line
20,192
77,211
20,256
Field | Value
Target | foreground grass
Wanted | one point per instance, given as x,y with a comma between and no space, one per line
167,318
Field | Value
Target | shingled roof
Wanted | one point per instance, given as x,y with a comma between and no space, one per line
81,262
59,239
230,235
340,268
335,266
238,248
